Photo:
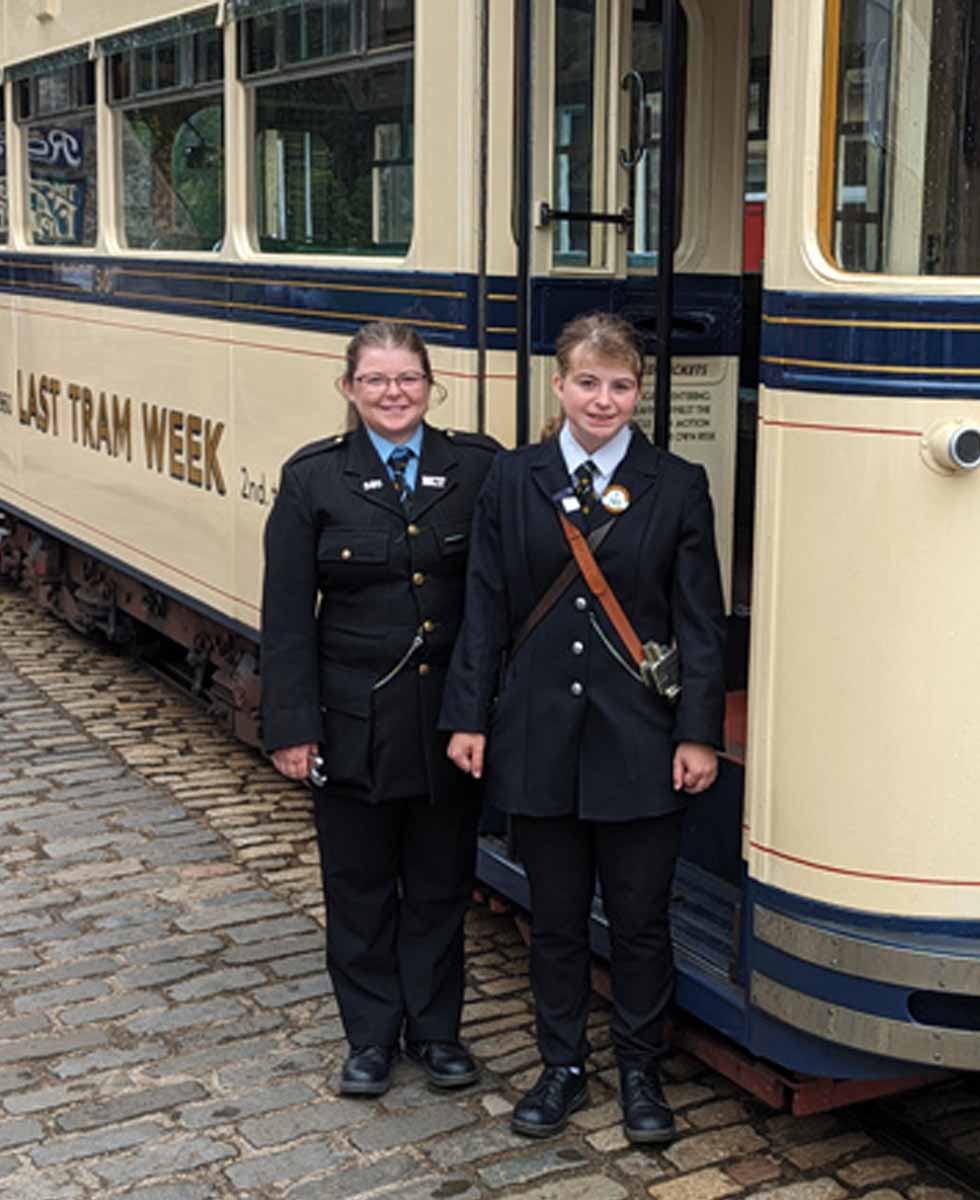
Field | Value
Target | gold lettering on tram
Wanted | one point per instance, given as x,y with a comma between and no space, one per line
185,445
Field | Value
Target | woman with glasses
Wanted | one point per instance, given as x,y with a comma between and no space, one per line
365,555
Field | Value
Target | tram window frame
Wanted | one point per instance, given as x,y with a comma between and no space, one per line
191,78
895,196
371,47
63,91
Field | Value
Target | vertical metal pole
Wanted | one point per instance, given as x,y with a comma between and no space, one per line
522,216
668,222
483,188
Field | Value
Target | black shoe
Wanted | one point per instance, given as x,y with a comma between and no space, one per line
367,1071
646,1114
547,1106
447,1064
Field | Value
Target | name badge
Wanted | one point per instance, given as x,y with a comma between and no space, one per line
570,504
369,485
434,481
616,499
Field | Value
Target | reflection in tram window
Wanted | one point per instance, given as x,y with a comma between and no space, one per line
907,138
55,104
166,83
333,142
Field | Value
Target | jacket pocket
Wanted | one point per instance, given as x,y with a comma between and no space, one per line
352,546
345,705
452,539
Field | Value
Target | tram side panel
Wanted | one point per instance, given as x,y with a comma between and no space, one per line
125,442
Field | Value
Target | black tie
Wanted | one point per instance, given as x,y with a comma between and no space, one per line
398,461
584,479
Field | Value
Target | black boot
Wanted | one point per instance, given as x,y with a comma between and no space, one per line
367,1071
547,1106
447,1064
646,1114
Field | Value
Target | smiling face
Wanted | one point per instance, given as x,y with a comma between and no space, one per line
390,391
597,396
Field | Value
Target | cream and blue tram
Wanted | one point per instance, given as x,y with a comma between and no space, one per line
200,202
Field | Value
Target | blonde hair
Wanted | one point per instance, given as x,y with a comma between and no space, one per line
605,336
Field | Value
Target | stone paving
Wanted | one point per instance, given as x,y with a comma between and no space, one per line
168,1032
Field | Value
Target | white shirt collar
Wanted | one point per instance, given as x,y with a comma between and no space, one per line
607,458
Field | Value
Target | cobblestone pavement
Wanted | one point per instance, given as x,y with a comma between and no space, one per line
167,1030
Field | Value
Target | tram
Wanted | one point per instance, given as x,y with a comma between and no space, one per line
199,203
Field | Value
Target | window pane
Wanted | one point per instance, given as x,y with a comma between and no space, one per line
574,243
648,60
173,175
390,22
907,151
260,44
62,181
334,162
318,29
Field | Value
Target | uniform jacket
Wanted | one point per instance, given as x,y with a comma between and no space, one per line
353,580
570,730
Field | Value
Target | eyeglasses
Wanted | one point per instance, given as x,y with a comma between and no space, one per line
407,381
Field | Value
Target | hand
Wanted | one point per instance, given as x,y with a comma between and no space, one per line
466,751
695,767
294,761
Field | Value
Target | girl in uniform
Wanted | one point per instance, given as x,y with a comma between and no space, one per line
593,766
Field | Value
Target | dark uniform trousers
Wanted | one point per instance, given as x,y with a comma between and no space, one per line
635,864
397,878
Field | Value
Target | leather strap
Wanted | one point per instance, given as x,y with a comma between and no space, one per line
599,587
550,598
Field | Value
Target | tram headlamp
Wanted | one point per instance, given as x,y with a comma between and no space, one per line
951,446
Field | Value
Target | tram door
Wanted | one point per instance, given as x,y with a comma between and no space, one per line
597,159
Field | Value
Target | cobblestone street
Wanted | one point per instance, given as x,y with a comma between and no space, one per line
167,1029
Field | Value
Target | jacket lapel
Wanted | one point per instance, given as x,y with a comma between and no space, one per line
435,479
551,477
367,476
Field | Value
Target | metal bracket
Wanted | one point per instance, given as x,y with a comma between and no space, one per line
623,220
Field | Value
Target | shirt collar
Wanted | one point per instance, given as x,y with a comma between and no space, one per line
384,447
607,458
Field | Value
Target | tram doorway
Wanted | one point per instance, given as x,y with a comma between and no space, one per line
637,187
616,126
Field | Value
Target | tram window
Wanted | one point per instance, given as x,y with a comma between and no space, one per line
334,146
57,111
648,57
576,243
168,97
905,115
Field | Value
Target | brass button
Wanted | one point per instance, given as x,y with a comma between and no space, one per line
413,531
428,626
346,553
418,578
424,668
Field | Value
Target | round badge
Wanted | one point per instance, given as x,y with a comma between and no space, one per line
616,499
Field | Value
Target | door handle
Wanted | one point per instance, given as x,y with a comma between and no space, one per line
632,81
